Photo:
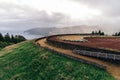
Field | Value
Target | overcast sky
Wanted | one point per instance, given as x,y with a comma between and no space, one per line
21,15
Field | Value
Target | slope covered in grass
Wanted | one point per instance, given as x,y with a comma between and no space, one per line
28,62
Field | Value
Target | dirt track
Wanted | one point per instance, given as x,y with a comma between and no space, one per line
111,68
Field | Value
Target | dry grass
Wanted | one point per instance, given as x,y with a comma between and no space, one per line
9,48
71,37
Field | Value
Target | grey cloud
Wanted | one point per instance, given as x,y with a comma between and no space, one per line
17,17
21,18
110,18
110,8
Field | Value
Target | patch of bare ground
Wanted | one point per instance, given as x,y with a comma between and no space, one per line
111,68
102,42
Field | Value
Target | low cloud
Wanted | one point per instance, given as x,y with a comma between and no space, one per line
22,17
109,8
16,17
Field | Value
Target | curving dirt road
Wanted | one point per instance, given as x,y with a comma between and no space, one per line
111,68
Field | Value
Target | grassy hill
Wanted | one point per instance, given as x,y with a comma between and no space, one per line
25,61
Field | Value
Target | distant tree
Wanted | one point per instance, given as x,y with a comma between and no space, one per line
99,32
7,38
116,34
102,33
119,34
93,32
1,37
20,38
12,39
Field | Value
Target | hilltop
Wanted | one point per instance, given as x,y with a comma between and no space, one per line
61,30
26,61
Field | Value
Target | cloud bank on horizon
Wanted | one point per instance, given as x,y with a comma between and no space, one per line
21,15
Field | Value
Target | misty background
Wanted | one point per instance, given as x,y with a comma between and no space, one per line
58,16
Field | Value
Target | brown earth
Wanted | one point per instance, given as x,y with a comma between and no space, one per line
105,42
111,68
108,43
71,37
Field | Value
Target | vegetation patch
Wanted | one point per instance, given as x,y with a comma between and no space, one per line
7,39
28,62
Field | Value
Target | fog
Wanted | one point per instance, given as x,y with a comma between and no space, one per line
16,16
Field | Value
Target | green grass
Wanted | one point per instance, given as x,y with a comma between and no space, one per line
28,62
